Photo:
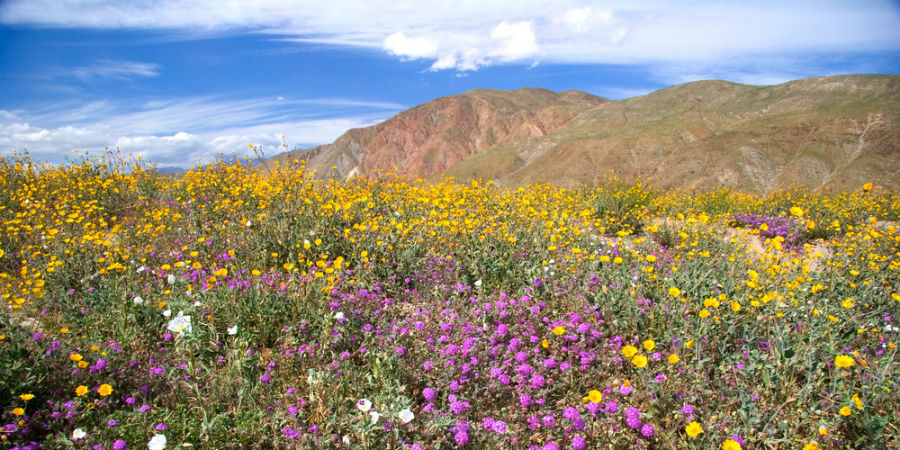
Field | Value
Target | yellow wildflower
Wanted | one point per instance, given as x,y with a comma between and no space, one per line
105,390
639,361
843,361
693,429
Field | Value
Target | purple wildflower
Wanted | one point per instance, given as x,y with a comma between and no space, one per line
290,433
578,443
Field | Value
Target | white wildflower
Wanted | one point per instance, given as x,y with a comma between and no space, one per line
138,300
233,330
77,434
157,442
406,416
364,405
171,279
180,324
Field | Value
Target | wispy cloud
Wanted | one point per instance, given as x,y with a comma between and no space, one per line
180,132
111,70
468,35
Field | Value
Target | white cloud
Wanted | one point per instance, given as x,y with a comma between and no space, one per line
111,69
583,19
466,35
515,41
401,45
178,133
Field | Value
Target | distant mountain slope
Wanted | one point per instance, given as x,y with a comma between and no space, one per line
837,132
434,136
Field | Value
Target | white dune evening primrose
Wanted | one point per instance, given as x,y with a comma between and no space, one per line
157,442
406,416
180,324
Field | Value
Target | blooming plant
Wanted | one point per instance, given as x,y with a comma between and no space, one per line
240,307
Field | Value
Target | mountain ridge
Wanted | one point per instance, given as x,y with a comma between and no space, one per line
833,132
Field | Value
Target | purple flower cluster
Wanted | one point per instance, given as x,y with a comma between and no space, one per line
793,234
633,417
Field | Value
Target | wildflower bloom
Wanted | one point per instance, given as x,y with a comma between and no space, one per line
364,405
693,429
406,415
633,417
77,434
578,443
18,411
105,390
649,345
639,361
843,361
181,324
595,396
674,291
629,351
845,411
673,359
731,444
811,446
157,442
559,331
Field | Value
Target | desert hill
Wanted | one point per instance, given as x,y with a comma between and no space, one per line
836,132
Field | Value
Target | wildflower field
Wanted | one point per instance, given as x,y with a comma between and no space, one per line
240,306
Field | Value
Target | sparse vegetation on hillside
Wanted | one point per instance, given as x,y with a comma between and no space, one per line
820,133
235,308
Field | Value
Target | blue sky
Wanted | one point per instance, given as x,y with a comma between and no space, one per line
180,81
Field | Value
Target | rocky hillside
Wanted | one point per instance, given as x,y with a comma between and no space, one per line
836,132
